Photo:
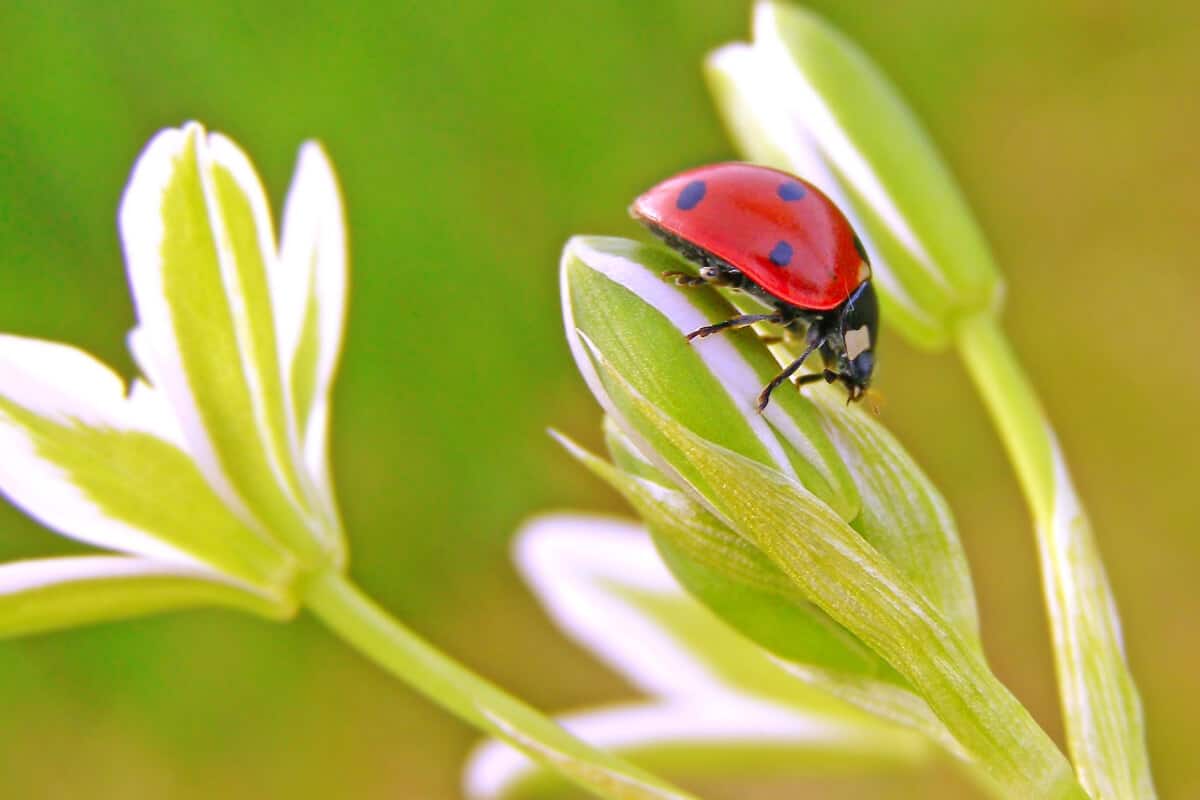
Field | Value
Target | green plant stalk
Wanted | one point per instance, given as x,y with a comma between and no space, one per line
354,617
1101,709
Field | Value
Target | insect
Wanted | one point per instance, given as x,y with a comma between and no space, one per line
779,239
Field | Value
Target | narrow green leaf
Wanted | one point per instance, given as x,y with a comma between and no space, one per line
1105,725
625,455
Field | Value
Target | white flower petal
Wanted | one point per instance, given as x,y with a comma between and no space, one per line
223,153
715,723
603,582
25,576
53,593
143,232
569,559
43,383
149,411
310,286
200,250
60,382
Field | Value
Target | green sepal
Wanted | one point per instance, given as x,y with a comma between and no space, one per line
735,579
840,572
762,602
903,515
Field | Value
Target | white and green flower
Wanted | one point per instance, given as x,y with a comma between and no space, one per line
717,705
206,480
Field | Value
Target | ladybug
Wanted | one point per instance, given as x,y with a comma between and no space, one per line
779,239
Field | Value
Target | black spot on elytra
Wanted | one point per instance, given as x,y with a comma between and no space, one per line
791,190
781,254
691,196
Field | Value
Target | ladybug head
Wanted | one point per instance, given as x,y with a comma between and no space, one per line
858,378
851,354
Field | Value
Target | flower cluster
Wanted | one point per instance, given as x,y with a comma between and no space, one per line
208,479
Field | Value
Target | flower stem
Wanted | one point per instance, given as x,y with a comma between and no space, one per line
353,616
1015,410
1101,709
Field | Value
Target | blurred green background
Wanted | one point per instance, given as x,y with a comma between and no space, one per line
472,138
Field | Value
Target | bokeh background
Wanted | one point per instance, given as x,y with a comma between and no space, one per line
471,139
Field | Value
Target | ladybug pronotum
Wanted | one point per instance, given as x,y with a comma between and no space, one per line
781,240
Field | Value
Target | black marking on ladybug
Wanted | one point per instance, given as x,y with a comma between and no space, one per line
791,190
691,196
862,251
781,254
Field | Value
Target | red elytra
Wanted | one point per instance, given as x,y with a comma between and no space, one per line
776,236
782,232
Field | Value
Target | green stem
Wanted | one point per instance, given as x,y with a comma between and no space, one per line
359,621
1101,710
1015,410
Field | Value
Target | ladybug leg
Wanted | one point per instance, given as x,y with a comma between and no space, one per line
737,322
764,397
829,376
